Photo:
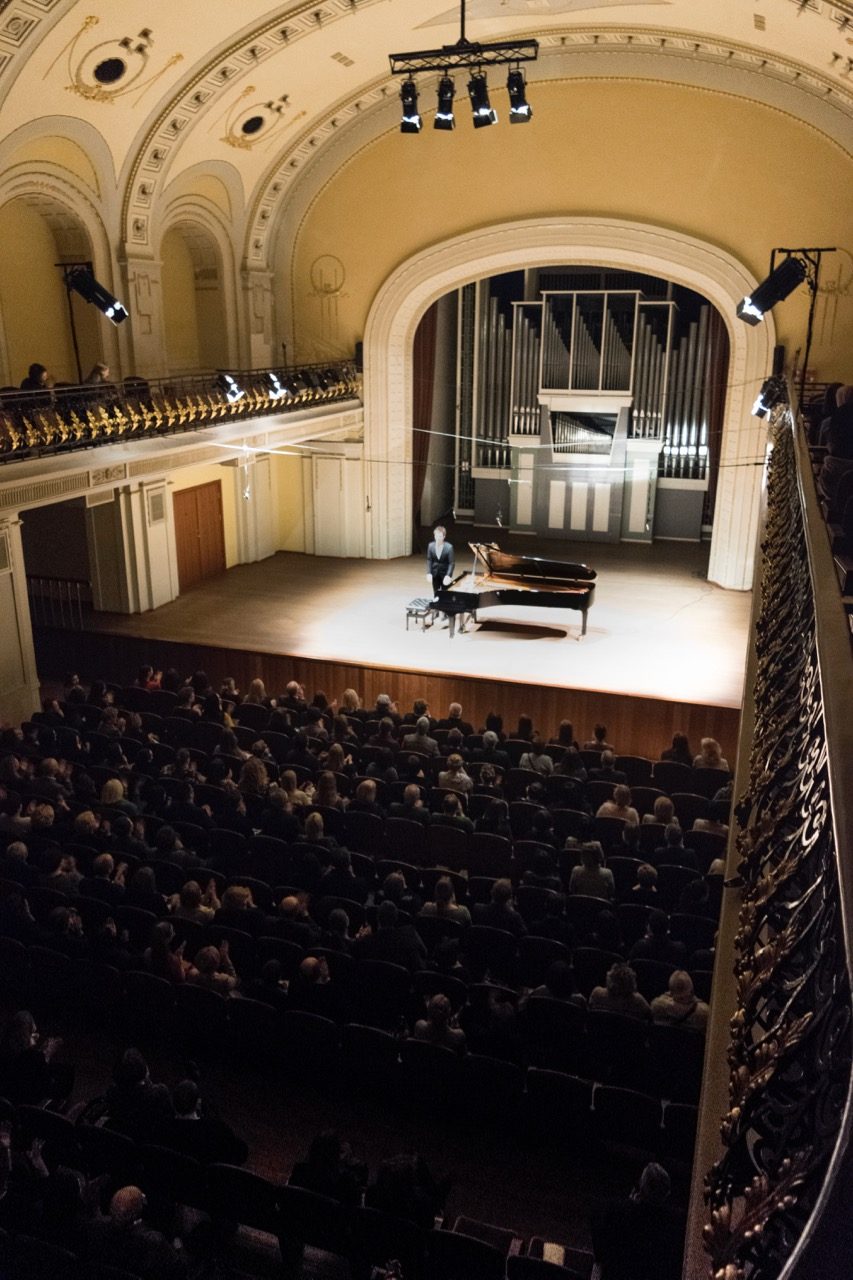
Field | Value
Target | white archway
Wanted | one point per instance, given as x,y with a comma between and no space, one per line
605,242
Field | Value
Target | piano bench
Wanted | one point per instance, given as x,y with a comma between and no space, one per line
422,611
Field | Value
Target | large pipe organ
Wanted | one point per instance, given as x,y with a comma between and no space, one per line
584,412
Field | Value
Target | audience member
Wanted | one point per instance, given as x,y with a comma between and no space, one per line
620,994
679,1006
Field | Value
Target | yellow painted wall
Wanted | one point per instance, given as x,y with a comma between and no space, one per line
32,297
725,170
224,476
179,310
289,497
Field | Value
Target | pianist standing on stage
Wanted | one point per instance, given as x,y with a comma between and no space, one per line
439,560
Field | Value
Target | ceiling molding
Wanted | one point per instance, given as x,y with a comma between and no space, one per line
210,82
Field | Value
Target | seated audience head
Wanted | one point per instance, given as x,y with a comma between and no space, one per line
126,1206
647,876
653,1186
452,806
622,796
387,916
673,835
501,893
592,854
664,810
621,981
711,752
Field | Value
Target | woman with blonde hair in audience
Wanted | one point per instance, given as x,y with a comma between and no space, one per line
710,756
620,806
114,796
327,792
350,703
256,694
254,779
663,812
454,777
295,794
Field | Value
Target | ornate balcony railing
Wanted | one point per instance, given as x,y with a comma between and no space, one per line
778,1196
64,418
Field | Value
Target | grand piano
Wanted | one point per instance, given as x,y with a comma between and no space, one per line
501,578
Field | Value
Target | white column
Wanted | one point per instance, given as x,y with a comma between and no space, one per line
19,682
257,335
144,300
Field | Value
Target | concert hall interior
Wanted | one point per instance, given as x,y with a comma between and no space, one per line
322,975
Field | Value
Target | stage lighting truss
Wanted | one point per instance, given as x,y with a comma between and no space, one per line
797,266
465,55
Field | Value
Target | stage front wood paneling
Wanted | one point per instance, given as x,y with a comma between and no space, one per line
635,725
199,534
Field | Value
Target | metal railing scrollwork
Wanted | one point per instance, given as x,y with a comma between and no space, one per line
62,418
784,1134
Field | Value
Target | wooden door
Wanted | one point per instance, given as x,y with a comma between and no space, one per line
199,535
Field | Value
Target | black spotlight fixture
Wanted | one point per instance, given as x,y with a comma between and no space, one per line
410,121
444,117
478,91
773,392
228,384
781,282
80,278
520,110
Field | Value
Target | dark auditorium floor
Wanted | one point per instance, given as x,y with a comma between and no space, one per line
496,1176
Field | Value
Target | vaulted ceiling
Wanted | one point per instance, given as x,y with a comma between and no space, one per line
254,91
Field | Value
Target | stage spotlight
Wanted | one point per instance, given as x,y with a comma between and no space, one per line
275,390
228,384
478,92
784,280
772,393
520,110
444,117
411,121
82,280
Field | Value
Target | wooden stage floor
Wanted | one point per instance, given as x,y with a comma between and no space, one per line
656,629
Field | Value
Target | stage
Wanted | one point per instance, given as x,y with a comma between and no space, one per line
664,649
655,628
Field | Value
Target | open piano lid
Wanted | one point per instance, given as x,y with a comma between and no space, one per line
531,569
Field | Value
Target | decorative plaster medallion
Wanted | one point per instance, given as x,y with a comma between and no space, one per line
110,69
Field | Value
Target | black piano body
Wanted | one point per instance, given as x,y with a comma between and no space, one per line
502,578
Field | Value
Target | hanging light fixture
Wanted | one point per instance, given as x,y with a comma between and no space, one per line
478,91
471,56
444,117
520,110
410,122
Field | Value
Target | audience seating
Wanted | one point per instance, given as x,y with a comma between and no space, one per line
576,1075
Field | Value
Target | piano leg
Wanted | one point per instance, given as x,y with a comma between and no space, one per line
583,628
451,622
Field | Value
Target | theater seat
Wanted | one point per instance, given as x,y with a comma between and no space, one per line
453,1256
